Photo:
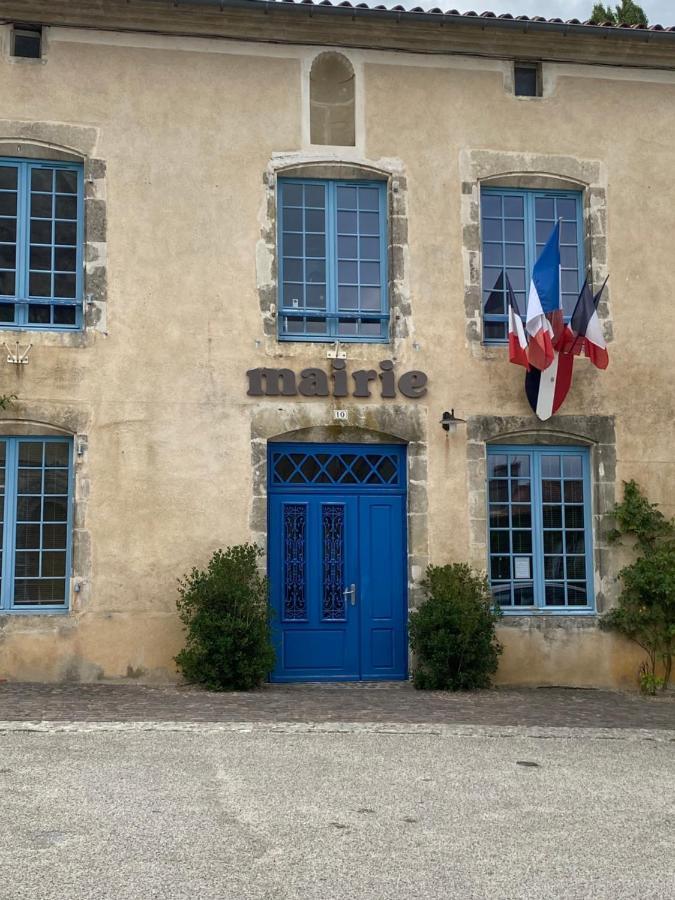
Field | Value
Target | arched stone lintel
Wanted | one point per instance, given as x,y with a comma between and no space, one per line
33,428
78,140
37,150
331,169
552,181
336,434
25,413
479,165
401,422
368,424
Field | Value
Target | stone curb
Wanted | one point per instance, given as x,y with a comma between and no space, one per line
290,728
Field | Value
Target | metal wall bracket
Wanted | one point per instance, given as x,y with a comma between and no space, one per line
335,352
18,357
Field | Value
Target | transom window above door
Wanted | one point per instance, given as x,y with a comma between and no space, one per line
41,239
333,260
515,225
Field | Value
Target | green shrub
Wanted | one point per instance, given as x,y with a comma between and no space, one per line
649,683
646,609
453,632
226,617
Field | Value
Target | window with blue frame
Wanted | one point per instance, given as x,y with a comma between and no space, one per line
539,516
35,504
515,225
333,260
41,240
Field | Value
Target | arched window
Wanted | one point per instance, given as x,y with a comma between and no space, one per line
331,100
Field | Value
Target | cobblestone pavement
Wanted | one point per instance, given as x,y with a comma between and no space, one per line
374,703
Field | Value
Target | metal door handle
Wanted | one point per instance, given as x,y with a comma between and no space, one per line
350,591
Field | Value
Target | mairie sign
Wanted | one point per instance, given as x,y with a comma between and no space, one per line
337,383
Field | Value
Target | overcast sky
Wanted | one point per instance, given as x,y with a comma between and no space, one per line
658,11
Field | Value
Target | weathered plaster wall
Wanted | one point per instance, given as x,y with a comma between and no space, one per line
187,143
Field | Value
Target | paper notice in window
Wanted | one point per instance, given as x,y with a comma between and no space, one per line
521,567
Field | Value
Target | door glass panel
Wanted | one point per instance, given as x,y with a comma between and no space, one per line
295,522
333,534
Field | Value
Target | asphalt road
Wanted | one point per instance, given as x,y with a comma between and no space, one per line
274,813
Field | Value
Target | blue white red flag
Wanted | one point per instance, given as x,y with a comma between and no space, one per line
546,347
517,336
547,390
587,328
543,301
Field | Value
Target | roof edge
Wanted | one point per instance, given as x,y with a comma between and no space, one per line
484,21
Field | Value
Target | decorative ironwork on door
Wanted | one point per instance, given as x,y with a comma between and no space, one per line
332,523
295,521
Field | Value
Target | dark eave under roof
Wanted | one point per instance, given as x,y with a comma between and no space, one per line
451,16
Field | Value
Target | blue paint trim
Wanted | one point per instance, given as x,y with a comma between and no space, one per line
530,245
332,313
537,529
7,605
21,297
553,611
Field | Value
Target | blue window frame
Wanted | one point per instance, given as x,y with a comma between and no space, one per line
41,240
333,260
36,508
515,225
539,514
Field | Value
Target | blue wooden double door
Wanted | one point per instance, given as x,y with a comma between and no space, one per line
337,561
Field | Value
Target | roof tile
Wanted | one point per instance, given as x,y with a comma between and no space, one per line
454,13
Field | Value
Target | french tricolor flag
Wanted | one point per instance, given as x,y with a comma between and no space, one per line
586,325
544,297
547,390
517,336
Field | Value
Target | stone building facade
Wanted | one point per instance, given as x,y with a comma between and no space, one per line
251,255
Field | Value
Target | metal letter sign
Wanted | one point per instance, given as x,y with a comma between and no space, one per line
266,382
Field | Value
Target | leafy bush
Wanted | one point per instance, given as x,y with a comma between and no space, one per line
453,631
226,617
646,609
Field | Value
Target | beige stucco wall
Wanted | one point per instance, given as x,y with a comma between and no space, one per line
188,129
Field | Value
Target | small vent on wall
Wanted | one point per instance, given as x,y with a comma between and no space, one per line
27,41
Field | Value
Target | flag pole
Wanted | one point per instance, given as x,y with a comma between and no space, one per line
599,294
560,305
